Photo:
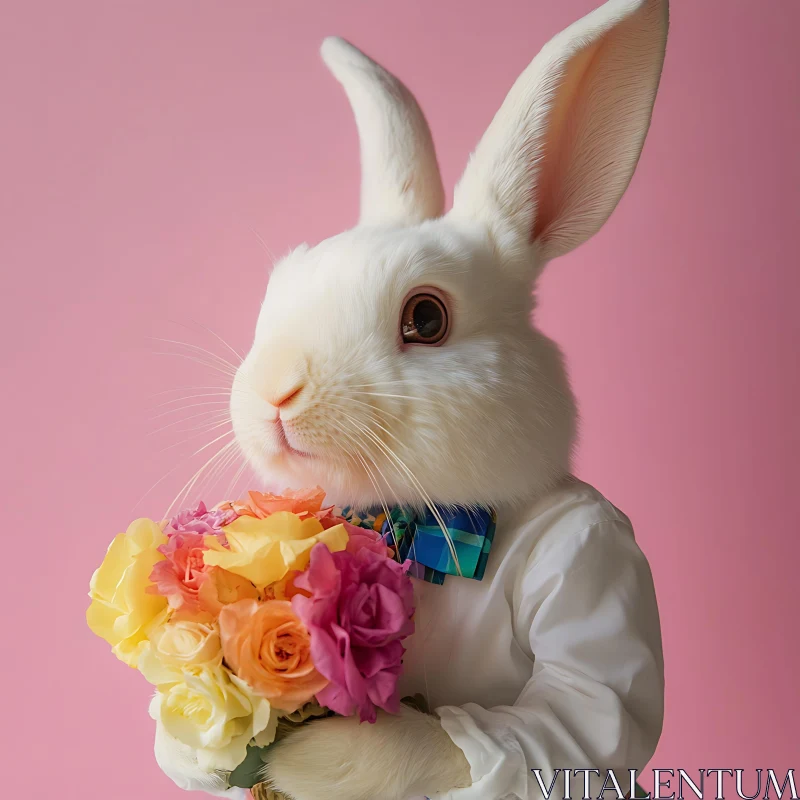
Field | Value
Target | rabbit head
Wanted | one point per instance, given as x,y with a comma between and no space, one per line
397,361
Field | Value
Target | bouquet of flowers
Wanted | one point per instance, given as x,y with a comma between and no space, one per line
252,617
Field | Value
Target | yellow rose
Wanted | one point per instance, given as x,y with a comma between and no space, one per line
264,550
178,646
122,612
214,712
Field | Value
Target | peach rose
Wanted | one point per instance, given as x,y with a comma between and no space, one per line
260,504
269,648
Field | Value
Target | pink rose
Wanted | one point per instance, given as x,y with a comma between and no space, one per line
180,576
359,609
364,538
200,520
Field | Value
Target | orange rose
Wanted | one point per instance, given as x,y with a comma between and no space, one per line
269,648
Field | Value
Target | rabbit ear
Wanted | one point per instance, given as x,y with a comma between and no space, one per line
561,151
400,179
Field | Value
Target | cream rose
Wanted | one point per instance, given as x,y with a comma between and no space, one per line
177,646
179,763
214,713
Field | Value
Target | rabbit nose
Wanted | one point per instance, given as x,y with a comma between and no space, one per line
285,396
280,375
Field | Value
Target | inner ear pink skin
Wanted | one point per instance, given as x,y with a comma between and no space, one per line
440,295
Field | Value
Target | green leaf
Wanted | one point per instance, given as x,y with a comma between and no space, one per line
248,773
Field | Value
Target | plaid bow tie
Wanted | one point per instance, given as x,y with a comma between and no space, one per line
419,538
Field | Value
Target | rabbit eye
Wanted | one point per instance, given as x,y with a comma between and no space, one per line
424,320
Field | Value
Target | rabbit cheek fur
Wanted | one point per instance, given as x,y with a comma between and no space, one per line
329,394
458,421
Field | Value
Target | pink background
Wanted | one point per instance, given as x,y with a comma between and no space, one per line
146,149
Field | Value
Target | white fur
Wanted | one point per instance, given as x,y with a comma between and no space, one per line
488,417
576,119
399,174
397,757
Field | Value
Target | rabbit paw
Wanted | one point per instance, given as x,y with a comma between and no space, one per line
341,759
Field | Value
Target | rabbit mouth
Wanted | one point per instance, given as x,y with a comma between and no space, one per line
284,445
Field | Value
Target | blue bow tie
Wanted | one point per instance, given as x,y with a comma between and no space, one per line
418,537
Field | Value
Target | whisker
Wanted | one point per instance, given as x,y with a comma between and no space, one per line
204,430
357,429
165,476
226,371
399,396
378,412
263,244
232,493
184,492
188,389
428,502
219,404
220,468
224,341
228,494
212,416
383,383
212,332
369,472
374,482
193,397
197,349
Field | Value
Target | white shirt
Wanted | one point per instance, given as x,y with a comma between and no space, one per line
553,660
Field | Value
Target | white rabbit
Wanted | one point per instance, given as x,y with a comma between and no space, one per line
397,363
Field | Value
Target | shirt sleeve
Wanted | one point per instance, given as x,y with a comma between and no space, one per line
586,611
